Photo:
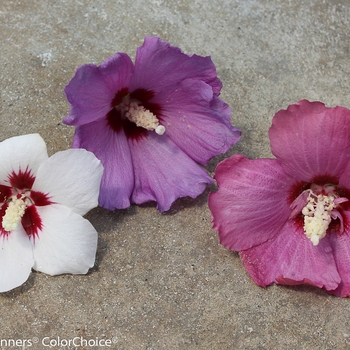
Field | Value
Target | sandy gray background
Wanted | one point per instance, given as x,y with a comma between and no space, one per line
162,281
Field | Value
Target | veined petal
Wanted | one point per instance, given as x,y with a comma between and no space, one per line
67,243
90,97
71,178
16,259
291,259
25,152
344,180
159,66
113,150
197,120
117,71
93,88
251,205
341,252
311,139
163,172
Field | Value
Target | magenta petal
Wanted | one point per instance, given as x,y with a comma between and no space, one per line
298,204
290,258
344,180
251,205
93,88
163,172
341,247
159,66
197,120
311,139
113,151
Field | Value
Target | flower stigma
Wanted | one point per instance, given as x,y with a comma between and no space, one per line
317,215
14,212
143,117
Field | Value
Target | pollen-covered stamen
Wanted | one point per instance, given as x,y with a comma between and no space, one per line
143,117
14,212
317,215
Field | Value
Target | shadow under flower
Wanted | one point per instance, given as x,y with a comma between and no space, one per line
24,288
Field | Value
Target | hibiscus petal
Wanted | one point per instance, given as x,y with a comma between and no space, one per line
24,152
93,88
251,205
290,258
67,243
344,180
311,139
71,178
341,252
117,71
163,172
159,66
197,121
16,259
113,150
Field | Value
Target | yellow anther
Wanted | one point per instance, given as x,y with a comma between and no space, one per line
317,216
13,213
144,118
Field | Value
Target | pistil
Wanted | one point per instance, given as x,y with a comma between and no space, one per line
317,215
14,212
144,118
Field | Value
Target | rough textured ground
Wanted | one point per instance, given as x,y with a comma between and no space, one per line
162,281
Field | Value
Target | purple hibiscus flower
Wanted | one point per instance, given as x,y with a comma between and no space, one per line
289,217
150,123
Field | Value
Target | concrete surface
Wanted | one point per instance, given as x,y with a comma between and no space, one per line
162,281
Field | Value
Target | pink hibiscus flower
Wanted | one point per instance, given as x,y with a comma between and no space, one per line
150,123
289,217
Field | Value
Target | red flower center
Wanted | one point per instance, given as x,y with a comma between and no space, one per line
127,108
18,204
318,207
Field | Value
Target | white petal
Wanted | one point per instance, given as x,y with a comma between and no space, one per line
67,243
21,152
16,259
71,178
